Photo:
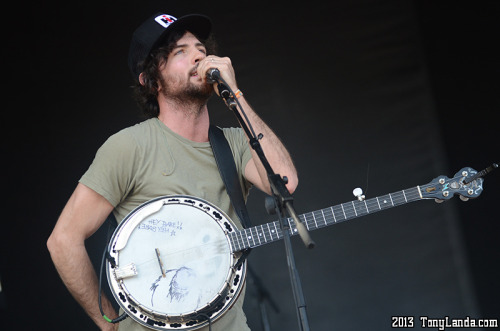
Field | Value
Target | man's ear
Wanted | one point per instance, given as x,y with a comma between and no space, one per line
141,79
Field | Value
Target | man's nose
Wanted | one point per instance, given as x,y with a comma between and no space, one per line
198,57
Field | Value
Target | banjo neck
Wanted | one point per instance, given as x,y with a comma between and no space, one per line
267,233
467,183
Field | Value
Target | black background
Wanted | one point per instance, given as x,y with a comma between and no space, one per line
378,94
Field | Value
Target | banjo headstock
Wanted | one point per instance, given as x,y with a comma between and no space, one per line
464,183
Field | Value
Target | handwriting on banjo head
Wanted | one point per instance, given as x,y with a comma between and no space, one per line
158,225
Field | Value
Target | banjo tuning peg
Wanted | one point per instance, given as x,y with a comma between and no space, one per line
358,193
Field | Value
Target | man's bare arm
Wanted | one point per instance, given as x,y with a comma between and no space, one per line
84,213
276,154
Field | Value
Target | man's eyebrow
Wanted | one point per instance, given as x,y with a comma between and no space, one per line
198,44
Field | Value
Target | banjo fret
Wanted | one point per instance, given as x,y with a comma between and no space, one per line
270,232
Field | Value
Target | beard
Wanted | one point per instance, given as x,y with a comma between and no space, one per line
188,96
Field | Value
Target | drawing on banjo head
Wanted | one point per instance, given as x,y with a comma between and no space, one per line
179,285
174,261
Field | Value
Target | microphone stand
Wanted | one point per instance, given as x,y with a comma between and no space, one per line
283,201
263,295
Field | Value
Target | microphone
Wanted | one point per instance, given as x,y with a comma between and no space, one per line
213,75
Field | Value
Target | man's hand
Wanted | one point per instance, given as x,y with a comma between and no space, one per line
225,67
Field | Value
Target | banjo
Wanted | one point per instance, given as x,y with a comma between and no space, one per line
174,261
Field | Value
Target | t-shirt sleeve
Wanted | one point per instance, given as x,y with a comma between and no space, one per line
111,172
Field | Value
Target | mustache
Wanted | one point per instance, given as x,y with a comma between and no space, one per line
194,70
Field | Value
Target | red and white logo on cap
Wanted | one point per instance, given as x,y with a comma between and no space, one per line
165,20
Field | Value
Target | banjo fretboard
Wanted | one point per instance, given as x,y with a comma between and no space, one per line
270,232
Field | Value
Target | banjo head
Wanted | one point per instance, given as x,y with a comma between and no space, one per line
172,265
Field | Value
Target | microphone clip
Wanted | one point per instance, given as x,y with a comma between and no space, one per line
213,76
226,95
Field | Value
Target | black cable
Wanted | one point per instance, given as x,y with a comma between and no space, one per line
104,254
209,321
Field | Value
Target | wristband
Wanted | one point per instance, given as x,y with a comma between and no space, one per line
238,94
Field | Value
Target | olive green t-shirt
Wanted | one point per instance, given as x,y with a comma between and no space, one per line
149,160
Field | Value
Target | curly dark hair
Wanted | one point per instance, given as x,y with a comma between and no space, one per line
146,95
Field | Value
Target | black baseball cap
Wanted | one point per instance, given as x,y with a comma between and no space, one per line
153,31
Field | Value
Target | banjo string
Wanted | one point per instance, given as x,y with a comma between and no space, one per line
191,250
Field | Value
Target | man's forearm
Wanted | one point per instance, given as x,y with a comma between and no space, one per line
276,153
75,268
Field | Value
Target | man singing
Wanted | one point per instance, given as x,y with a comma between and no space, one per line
167,154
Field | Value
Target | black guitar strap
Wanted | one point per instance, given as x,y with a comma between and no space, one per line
227,168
